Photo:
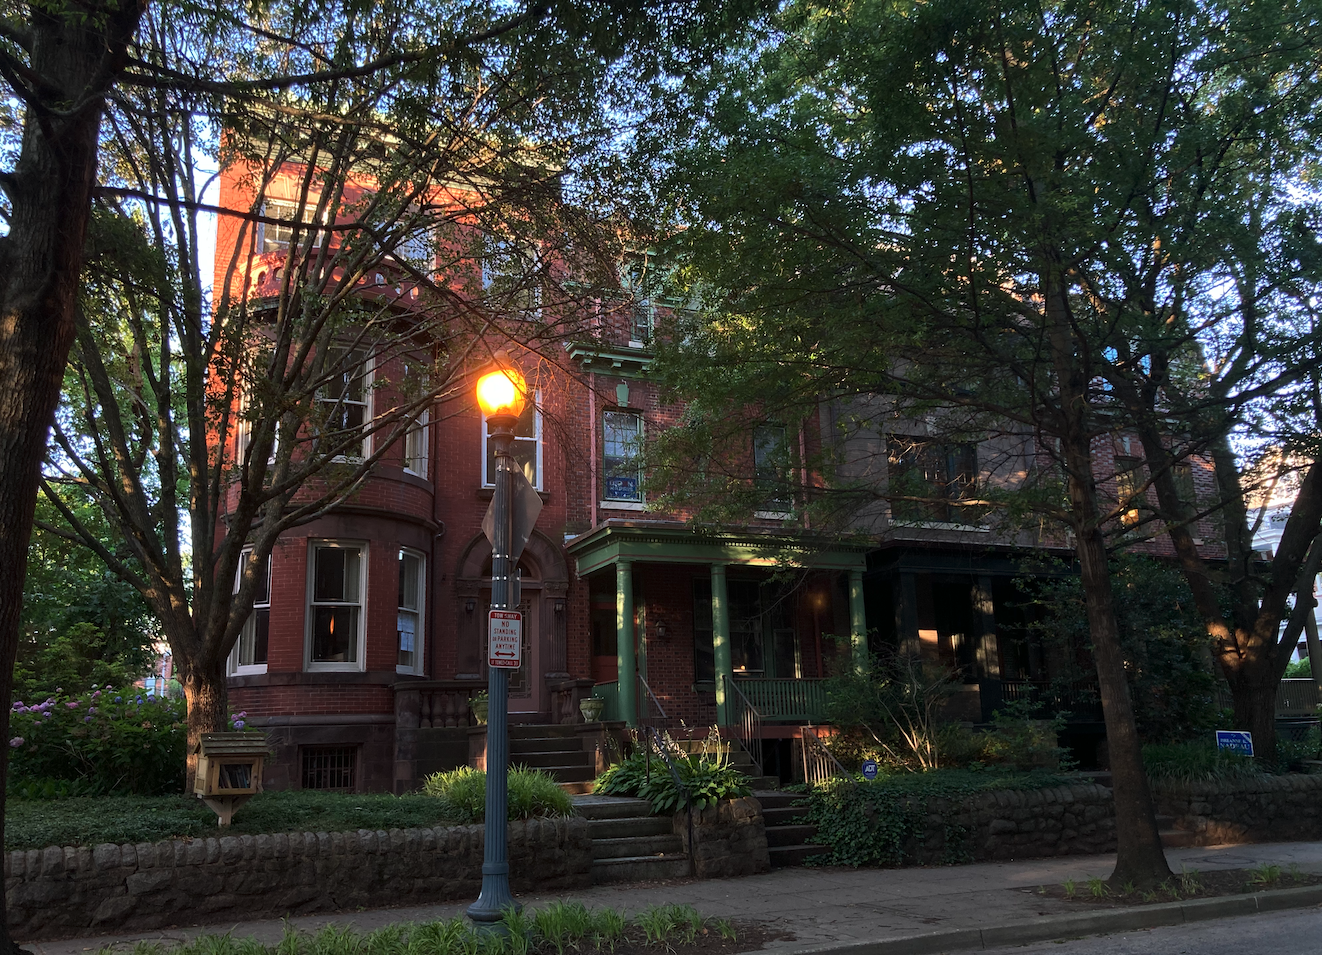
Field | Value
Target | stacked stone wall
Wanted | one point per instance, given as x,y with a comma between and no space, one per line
725,840
1263,809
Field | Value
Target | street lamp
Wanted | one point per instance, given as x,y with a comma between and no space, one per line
501,394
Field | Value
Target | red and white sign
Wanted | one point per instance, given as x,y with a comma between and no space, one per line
504,638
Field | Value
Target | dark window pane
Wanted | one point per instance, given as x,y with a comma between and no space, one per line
261,631
335,634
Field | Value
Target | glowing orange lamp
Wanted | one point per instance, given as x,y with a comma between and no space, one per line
502,393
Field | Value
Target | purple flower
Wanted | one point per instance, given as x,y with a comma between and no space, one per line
239,724
46,714
87,719
18,705
16,742
119,699
72,704
91,709
239,716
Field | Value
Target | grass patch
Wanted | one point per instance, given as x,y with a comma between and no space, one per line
87,821
553,929
462,794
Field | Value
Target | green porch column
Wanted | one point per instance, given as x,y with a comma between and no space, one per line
858,627
625,658
723,662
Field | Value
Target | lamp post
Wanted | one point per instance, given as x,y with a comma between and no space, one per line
501,394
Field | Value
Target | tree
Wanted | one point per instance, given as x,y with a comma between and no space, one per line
971,216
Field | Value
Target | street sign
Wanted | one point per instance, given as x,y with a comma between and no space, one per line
869,769
504,638
525,505
1237,741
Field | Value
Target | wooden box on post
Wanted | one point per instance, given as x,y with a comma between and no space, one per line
229,771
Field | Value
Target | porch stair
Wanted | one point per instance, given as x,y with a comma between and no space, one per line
629,844
789,838
1172,838
556,750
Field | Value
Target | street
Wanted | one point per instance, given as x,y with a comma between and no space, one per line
1298,932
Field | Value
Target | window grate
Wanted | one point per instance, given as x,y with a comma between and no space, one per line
329,768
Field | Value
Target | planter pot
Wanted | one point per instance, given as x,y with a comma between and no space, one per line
591,707
480,708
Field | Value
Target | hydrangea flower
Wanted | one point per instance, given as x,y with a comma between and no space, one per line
87,719
72,704
239,724
16,742
119,699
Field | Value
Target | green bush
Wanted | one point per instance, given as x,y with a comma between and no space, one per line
708,779
462,794
102,741
873,823
1196,761
1018,741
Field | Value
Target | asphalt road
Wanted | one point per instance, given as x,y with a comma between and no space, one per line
1296,932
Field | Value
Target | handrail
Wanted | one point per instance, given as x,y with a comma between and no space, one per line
644,718
747,721
682,786
819,765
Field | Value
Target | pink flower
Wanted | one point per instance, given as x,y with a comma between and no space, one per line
72,704
16,742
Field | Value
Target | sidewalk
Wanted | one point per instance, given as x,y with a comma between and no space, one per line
857,911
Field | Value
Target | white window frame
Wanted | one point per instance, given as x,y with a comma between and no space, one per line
368,378
416,446
614,502
236,668
781,445
537,437
277,238
419,614
528,276
311,604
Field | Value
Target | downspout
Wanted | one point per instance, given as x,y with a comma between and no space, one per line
592,448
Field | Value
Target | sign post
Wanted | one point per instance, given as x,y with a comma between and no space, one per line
505,639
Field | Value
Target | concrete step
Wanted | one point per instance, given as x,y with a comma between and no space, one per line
639,869
611,807
580,788
763,783
782,815
637,846
775,799
629,828
784,856
575,757
542,730
790,835
545,744
566,774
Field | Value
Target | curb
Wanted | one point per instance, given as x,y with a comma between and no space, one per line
1050,927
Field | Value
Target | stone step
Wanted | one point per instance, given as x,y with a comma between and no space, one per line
545,744
637,847
775,799
575,757
1177,838
639,869
790,835
567,774
782,815
785,856
541,730
579,788
629,828
764,783
611,807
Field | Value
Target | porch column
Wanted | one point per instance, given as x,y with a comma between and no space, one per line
625,659
984,615
722,661
858,627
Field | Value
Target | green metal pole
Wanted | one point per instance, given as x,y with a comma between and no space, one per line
625,658
721,658
858,626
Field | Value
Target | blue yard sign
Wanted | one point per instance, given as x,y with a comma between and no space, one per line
1237,741
869,769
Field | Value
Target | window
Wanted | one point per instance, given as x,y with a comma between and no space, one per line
940,474
326,767
637,280
704,654
1128,480
511,278
415,447
336,606
622,435
345,401
526,449
418,249
409,627
1184,489
771,471
249,654
275,237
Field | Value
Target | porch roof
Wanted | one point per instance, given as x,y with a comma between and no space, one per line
674,542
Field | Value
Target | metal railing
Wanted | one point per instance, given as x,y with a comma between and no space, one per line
1297,698
651,737
746,721
650,711
819,763
800,701
1047,698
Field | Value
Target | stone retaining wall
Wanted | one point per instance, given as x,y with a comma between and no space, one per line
1008,824
1264,809
729,839
63,891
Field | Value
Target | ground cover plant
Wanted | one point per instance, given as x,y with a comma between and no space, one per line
552,929
704,778
1187,884
87,821
872,822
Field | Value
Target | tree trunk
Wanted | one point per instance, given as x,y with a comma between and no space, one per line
207,694
75,54
1254,702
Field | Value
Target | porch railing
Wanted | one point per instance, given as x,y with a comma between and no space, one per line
1046,698
610,692
819,763
436,703
745,720
800,701
1297,698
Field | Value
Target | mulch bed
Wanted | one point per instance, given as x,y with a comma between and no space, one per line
749,936
1191,884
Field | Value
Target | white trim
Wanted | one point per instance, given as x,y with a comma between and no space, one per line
358,664
622,505
368,376
419,430
539,484
234,667
420,630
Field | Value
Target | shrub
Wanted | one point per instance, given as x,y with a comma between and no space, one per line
102,741
707,778
896,703
1196,761
462,794
1019,741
